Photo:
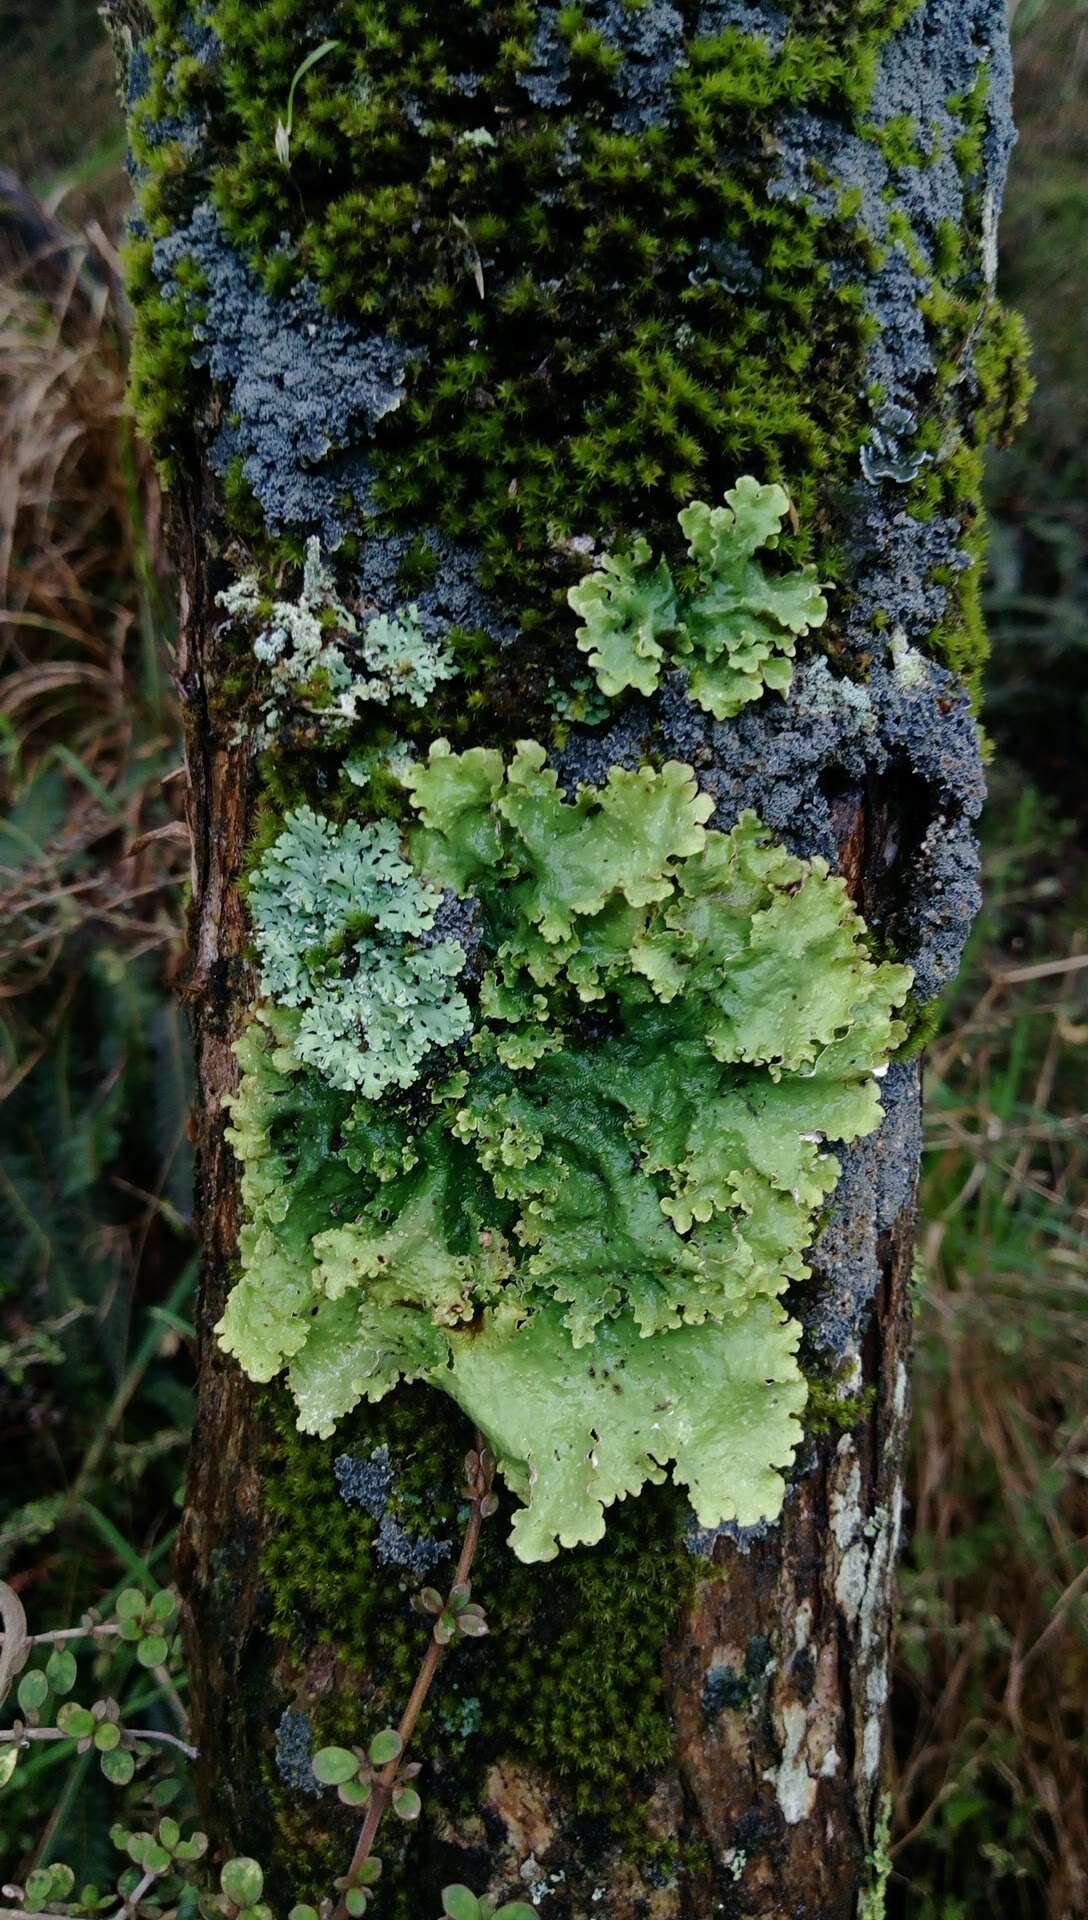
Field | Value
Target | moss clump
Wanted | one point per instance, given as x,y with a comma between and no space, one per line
603,320
659,377
829,1410
569,1681
953,485
163,382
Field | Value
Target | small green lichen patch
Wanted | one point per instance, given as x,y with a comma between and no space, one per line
737,627
582,1230
324,666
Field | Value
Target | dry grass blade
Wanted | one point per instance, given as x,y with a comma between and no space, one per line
993,1667
88,724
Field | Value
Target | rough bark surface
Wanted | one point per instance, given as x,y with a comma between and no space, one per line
722,1730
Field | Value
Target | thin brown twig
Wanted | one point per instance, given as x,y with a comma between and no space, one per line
432,1660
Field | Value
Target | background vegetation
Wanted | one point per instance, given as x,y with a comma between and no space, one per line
96,1265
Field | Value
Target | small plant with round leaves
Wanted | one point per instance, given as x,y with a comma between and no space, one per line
39,1684
241,1884
61,1671
46,1887
32,1693
356,1887
164,1850
459,1903
354,1772
166,1871
99,1729
149,1623
457,1615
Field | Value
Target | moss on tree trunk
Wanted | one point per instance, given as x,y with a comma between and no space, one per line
489,288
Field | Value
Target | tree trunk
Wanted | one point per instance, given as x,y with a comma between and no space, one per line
516,283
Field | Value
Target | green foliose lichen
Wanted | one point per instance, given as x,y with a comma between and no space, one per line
579,1231
342,926
737,627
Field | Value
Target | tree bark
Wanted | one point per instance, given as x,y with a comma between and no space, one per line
674,1723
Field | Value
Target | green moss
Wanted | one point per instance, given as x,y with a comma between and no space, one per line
569,1680
923,1024
626,404
953,484
1003,372
828,1410
163,383
240,508
660,375
898,142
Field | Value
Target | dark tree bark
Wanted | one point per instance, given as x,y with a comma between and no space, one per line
675,1722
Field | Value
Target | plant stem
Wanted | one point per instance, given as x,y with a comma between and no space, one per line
119,1913
72,1633
432,1660
7,1734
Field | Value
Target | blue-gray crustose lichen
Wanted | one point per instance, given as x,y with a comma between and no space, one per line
757,17
188,129
295,1751
650,41
451,598
304,390
786,756
936,57
370,1484
877,1185
460,920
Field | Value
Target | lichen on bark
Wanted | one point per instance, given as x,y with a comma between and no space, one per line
533,280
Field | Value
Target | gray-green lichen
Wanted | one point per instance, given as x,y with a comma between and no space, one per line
340,921
323,662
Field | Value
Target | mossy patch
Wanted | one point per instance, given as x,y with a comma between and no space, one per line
603,317
570,1680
